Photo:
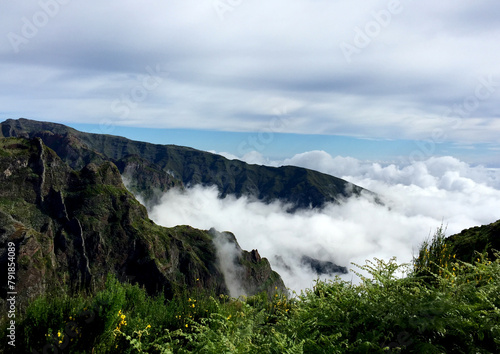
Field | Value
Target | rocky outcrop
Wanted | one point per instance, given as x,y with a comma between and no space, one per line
72,227
245,273
323,267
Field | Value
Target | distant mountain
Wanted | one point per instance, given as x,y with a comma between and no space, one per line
152,169
73,226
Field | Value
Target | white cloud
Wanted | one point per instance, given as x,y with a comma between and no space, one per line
229,75
444,172
418,198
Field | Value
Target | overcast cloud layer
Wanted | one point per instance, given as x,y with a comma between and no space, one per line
378,69
418,199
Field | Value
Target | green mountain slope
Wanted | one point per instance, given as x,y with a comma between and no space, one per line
485,238
72,227
170,165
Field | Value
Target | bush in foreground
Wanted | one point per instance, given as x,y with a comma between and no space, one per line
439,305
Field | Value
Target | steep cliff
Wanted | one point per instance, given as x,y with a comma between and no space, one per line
71,227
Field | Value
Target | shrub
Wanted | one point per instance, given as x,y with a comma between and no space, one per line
439,305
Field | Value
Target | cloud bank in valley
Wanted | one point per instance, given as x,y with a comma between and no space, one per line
418,198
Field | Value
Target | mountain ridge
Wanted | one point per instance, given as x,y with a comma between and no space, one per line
173,165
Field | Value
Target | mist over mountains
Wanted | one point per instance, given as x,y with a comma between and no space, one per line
417,199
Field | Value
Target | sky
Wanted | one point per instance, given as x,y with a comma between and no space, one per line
394,81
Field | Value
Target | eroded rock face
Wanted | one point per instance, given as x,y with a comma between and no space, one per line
146,179
72,227
245,273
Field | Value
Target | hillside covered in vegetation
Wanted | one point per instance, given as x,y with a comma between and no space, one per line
70,228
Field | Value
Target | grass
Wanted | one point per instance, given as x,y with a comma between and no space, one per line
441,304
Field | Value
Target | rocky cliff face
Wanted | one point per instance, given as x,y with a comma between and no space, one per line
152,168
245,272
74,225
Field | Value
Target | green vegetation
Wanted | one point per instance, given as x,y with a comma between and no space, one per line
440,304
481,238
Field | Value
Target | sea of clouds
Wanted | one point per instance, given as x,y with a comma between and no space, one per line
417,197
